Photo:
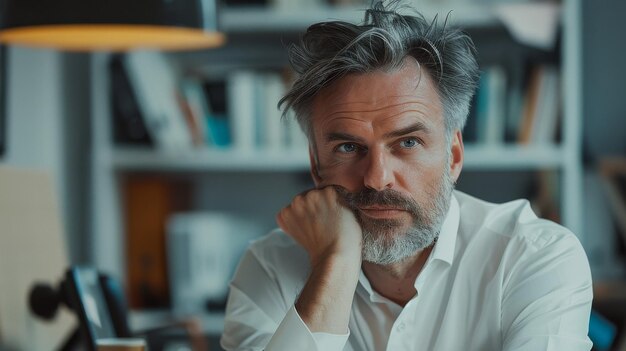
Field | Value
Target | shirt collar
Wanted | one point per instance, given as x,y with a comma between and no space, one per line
444,248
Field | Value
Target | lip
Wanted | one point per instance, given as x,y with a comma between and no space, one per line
382,212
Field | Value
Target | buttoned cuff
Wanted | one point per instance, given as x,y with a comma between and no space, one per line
294,334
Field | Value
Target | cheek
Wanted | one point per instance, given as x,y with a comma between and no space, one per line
422,175
346,174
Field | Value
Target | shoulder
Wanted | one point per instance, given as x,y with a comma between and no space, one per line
512,231
513,220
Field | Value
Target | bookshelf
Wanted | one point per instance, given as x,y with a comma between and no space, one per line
110,163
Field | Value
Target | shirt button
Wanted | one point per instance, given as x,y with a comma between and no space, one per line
401,327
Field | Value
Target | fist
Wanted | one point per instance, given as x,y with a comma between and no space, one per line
322,225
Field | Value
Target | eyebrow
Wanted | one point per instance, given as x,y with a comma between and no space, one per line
419,126
330,137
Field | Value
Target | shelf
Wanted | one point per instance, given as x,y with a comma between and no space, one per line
209,160
513,157
476,158
259,19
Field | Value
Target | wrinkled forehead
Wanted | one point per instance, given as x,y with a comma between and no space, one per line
381,94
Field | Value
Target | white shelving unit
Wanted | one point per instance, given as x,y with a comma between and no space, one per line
507,157
108,160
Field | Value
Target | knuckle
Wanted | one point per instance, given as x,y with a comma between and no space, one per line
329,194
297,201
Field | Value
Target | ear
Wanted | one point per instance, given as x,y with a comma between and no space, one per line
457,155
314,167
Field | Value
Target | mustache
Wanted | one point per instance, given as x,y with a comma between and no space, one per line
370,197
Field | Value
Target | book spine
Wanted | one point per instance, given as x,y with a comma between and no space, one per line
155,84
496,107
241,106
149,202
273,137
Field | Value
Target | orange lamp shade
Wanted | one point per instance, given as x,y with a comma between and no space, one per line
111,25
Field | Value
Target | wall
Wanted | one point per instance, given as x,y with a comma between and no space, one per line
604,77
34,110
604,122
46,127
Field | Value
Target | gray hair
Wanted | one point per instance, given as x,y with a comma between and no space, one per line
331,50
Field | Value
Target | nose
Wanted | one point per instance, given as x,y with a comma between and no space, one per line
379,175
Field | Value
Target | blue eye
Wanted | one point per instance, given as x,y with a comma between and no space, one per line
409,143
347,148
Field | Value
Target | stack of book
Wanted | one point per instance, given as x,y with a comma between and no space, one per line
510,109
156,105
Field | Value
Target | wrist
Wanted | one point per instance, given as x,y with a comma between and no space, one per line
337,259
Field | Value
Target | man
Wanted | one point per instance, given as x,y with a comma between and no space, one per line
383,254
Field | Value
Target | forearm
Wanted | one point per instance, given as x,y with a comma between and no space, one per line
260,314
326,299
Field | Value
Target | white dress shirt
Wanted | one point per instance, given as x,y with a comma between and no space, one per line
498,278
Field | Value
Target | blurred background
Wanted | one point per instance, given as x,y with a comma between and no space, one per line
165,164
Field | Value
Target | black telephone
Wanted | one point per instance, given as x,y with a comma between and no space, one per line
97,300
100,305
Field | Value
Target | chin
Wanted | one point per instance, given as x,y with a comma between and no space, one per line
384,227
393,245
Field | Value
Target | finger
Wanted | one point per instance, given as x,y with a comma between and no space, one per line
305,192
342,194
340,189
281,221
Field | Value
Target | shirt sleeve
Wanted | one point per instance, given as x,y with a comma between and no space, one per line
293,334
546,302
257,319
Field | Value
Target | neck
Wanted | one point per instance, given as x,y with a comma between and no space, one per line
396,281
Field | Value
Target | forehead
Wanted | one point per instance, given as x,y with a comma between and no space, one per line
400,96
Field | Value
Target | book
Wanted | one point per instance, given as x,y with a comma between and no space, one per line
218,124
496,106
274,133
149,201
545,124
490,107
193,124
515,102
529,107
196,109
155,84
541,107
128,122
480,107
241,108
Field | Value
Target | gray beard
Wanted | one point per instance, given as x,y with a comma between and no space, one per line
386,242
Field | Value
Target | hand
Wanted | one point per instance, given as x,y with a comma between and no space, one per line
321,224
